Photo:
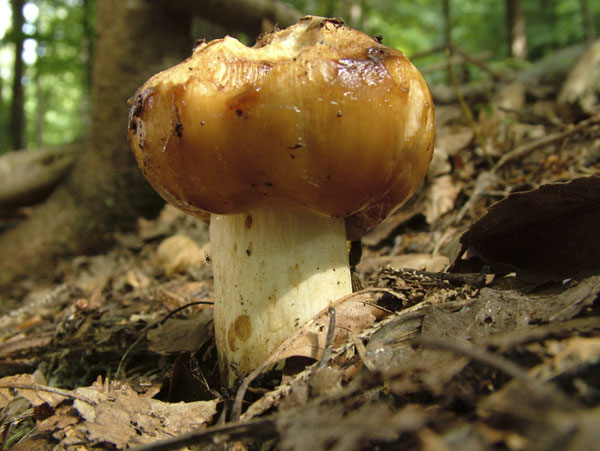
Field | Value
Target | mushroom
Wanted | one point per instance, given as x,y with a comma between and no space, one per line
288,148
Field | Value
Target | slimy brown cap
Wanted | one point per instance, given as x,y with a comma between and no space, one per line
317,116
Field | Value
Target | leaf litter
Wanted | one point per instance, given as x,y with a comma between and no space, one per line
478,326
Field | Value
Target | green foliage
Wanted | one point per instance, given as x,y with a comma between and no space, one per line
57,83
417,25
62,65
56,80
556,23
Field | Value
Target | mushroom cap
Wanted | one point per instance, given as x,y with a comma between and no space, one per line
318,116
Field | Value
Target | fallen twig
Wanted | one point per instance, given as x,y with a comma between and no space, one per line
505,341
466,110
330,333
259,406
260,429
486,178
529,147
540,389
151,326
53,390
236,410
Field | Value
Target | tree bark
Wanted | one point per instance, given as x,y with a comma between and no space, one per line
86,56
105,191
3,119
517,31
28,177
239,15
589,27
17,109
447,23
581,89
40,108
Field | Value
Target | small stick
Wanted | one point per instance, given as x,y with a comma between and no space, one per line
529,147
361,349
329,339
466,111
480,64
151,326
485,179
236,410
262,428
53,390
540,389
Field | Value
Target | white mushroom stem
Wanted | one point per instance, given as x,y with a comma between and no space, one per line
273,271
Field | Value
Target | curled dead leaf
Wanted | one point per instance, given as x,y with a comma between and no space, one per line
550,233
441,197
124,418
180,335
179,253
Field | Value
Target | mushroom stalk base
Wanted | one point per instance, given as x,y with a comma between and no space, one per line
273,271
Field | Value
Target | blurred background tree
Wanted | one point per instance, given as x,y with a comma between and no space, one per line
49,50
50,70
46,48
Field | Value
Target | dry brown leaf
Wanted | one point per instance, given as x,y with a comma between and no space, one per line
386,229
179,253
575,353
356,313
20,345
59,424
501,311
582,87
451,140
124,418
441,197
180,335
137,279
94,273
427,262
391,352
548,233
150,229
34,396
545,422
337,430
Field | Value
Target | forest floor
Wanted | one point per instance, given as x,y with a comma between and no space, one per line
490,340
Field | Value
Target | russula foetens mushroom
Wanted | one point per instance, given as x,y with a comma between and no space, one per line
289,147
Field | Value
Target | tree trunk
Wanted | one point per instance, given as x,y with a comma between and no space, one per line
29,176
581,89
3,119
17,109
447,23
105,191
460,72
515,23
589,27
40,108
239,15
86,53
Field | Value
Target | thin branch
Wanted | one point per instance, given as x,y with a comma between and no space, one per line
466,110
479,63
260,429
485,179
329,340
236,410
540,389
152,326
53,390
527,148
